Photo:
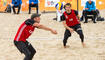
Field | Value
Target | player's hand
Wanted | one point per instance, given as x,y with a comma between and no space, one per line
71,30
54,31
32,3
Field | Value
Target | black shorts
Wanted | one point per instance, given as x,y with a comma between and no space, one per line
24,46
76,27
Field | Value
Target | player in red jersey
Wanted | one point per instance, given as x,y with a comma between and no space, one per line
24,31
71,22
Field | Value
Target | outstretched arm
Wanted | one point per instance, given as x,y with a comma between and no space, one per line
44,28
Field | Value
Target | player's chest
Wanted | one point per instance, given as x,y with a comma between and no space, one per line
71,17
30,29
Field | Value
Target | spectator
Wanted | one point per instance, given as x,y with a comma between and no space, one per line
16,4
90,8
33,3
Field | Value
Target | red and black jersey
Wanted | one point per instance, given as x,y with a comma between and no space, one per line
25,30
71,19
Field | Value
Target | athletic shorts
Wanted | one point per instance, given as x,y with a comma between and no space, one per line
22,46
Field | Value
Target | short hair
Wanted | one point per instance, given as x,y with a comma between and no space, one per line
67,4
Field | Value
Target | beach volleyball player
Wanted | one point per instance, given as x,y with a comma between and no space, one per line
24,31
71,22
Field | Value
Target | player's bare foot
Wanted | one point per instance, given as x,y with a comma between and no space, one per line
83,44
66,46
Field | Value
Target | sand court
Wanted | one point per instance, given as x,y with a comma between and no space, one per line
49,46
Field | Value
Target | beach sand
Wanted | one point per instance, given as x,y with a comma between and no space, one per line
49,46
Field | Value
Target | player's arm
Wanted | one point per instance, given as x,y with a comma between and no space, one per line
32,22
40,26
78,18
67,27
77,15
64,23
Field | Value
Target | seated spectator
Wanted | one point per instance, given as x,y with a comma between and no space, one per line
90,9
33,3
8,9
16,4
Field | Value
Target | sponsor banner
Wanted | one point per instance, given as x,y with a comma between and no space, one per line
51,3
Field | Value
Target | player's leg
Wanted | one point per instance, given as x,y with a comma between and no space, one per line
67,34
31,49
18,46
23,48
79,31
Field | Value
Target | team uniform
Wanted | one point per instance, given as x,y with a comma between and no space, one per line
23,33
72,21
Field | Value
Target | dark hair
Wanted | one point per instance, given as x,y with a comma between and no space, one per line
35,15
67,4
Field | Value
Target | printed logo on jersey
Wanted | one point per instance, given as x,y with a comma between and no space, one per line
71,19
30,31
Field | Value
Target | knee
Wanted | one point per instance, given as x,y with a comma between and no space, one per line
28,54
65,39
34,52
67,36
80,33
82,37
